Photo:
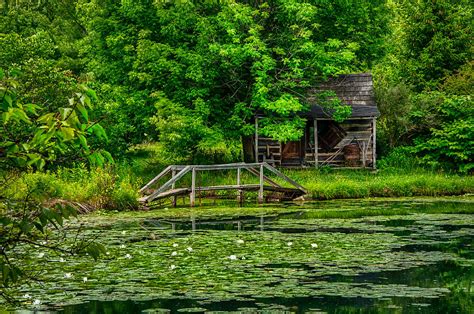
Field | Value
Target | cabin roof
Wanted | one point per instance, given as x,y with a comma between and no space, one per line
356,90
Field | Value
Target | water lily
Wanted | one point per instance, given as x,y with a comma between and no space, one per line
314,245
174,253
67,275
240,241
84,279
172,267
128,256
289,243
190,249
175,244
36,302
233,257
41,255
27,296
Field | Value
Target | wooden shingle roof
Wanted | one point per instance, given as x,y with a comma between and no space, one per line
356,90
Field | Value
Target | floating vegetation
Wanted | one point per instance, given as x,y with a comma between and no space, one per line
415,255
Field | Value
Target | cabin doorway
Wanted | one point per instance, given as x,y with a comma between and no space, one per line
291,153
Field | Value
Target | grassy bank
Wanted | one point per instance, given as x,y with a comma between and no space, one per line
116,187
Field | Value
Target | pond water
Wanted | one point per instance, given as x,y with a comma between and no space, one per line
339,256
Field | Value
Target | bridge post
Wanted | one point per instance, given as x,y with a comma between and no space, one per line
192,197
260,190
240,195
175,198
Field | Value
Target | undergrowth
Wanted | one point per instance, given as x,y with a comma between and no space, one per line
116,187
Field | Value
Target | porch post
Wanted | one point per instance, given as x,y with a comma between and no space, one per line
374,155
316,143
256,138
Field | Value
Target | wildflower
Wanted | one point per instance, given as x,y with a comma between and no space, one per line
122,246
27,296
232,257
190,249
67,275
243,257
84,279
128,256
124,232
172,267
289,243
107,253
175,244
240,241
41,255
61,260
36,302
174,253
314,245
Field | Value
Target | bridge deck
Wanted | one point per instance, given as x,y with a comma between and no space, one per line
177,172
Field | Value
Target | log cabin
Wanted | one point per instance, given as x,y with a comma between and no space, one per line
349,144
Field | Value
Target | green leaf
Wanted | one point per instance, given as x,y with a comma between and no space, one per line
68,133
83,111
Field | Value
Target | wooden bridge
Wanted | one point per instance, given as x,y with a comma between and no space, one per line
177,172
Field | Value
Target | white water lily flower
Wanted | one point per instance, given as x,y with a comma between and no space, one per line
172,267
67,275
175,244
190,249
41,255
174,253
233,257
84,279
314,245
122,246
128,256
36,302
240,241
27,296
289,243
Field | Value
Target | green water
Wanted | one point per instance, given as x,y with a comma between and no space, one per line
349,256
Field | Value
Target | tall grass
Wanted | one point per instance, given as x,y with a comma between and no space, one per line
116,187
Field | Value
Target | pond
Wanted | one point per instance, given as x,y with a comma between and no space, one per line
380,255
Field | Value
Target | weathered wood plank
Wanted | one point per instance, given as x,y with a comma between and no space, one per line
168,184
284,177
155,179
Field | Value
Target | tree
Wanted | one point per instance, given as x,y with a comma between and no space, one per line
220,63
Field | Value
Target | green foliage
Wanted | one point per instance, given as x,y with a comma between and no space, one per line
432,39
32,136
109,188
450,143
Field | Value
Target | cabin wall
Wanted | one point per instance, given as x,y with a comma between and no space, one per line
333,139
